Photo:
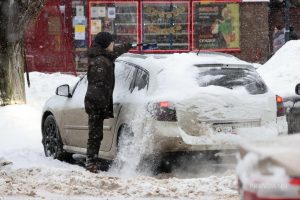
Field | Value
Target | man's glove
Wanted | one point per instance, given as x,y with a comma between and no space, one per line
145,46
133,45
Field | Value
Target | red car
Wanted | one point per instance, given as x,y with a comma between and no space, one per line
270,170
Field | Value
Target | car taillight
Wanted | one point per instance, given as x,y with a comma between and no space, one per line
280,107
164,104
164,111
295,181
249,196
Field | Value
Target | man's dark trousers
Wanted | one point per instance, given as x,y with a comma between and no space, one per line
95,138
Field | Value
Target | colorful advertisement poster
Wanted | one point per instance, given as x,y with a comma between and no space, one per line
79,11
79,32
94,12
217,26
79,20
101,12
95,26
111,12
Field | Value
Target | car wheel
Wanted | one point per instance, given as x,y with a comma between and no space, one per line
128,153
53,146
125,137
124,146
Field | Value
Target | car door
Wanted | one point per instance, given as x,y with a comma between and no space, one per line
138,80
76,122
125,78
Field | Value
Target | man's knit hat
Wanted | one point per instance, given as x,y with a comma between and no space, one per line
104,39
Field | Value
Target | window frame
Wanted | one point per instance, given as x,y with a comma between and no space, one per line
194,22
137,67
136,78
76,85
188,22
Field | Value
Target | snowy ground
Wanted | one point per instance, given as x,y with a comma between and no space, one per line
25,173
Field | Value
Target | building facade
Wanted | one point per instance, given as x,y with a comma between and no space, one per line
58,39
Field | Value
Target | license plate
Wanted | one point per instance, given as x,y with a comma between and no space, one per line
222,129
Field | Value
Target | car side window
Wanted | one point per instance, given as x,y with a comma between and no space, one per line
142,79
80,84
132,78
125,75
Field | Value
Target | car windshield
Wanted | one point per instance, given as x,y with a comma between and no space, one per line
231,77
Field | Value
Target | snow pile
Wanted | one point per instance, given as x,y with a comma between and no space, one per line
43,86
25,131
281,72
21,124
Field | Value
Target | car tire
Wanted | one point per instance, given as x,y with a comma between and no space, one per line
124,144
53,145
125,136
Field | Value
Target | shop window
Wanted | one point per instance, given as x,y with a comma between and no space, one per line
80,34
79,23
216,26
118,18
166,24
44,41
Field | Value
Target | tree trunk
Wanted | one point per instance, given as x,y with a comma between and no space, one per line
12,75
14,15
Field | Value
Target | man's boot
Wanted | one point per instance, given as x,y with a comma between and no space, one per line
91,163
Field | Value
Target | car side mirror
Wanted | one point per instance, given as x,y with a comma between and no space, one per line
297,89
63,90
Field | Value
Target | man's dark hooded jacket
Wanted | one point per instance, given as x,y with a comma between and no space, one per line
101,80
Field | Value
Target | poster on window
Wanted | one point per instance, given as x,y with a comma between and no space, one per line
101,11
79,32
79,11
94,12
111,12
95,26
217,26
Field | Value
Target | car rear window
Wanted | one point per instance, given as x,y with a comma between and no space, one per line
231,77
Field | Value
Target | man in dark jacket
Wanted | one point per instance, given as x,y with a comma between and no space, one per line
99,96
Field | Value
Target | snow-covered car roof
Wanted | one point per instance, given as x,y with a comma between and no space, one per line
156,62
176,74
283,150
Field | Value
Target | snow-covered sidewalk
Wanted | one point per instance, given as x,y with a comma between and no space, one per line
25,173
64,181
